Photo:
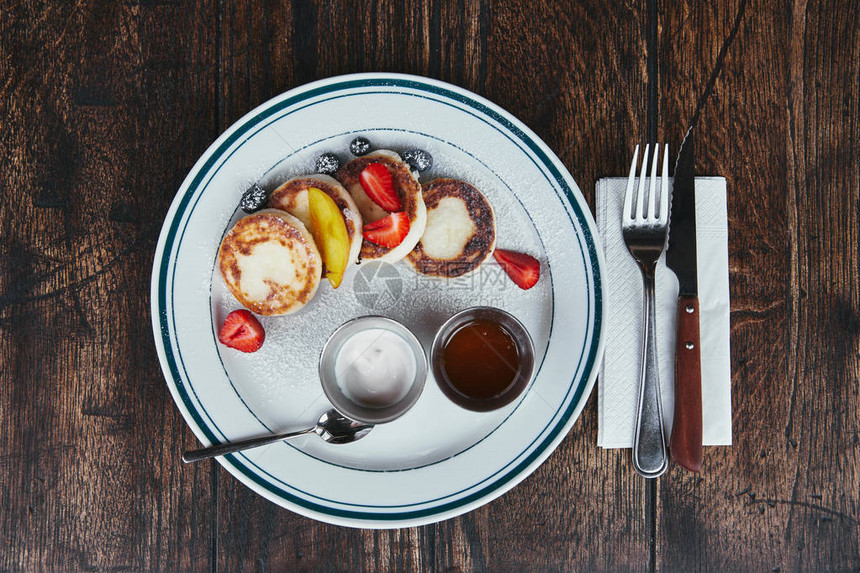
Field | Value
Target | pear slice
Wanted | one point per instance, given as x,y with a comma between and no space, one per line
329,231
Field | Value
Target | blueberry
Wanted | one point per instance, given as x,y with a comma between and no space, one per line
418,159
359,146
328,163
253,199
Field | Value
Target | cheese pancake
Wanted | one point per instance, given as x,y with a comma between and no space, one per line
270,263
460,232
408,190
292,197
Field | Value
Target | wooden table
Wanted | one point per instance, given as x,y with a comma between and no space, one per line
105,106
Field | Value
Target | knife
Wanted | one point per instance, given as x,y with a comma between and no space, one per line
685,443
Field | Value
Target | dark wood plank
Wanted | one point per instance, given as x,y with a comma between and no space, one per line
782,127
104,108
577,76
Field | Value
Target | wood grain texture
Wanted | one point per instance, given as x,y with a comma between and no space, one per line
105,106
782,127
95,140
685,443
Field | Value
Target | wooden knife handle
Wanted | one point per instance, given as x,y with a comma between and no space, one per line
686,441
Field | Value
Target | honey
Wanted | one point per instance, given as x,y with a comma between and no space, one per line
480,362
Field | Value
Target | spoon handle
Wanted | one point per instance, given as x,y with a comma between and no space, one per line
230,447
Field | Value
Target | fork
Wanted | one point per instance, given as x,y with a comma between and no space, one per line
644,232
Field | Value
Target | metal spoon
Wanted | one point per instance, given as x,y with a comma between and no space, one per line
333,427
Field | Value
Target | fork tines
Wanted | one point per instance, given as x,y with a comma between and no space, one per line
652,215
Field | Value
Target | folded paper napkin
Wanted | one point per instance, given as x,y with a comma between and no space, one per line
618,389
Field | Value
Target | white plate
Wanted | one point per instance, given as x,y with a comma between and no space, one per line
438,460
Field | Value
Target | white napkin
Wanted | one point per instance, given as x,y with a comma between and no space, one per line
619,377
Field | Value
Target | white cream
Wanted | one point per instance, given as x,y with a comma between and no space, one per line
375,368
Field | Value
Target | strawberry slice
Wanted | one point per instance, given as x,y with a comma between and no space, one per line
379,186
241,330
388,231
523,269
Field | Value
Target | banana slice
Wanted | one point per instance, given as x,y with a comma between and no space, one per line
292,197
408,189
460,232
270,263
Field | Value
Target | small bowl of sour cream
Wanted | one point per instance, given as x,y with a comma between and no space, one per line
373,369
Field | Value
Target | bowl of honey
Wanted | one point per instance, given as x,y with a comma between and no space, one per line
482,358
